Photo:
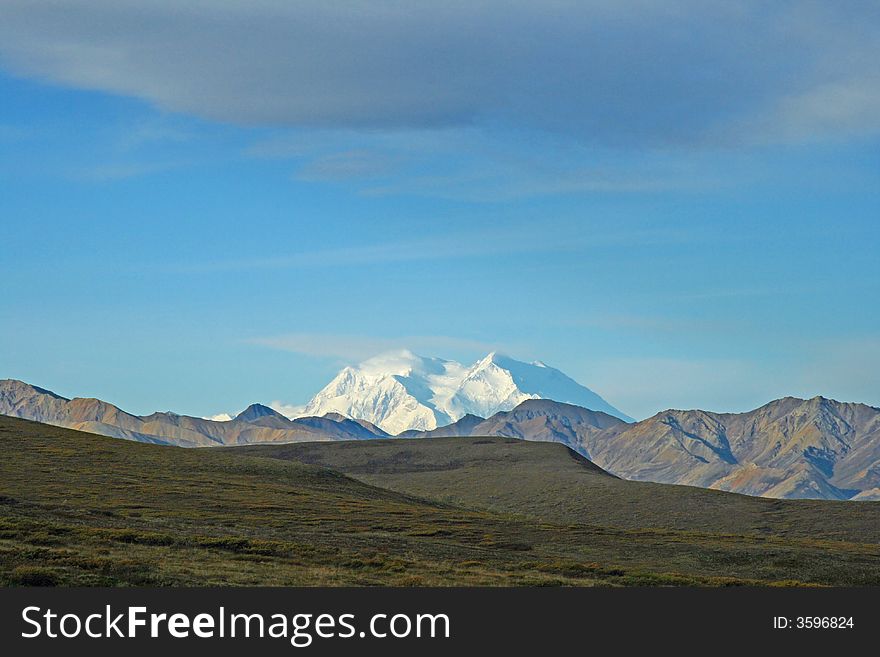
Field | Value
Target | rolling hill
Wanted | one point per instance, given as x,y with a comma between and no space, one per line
79,509
552,482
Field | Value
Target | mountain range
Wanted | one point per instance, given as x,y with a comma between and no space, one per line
402,391
789,448
256,424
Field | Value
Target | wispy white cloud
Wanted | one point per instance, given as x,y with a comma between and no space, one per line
466,164
155,130
358,164
288,410
137,148
502,239
493,183
357,348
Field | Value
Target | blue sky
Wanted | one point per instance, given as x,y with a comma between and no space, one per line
678,206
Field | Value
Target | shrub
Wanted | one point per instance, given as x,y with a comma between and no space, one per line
33,576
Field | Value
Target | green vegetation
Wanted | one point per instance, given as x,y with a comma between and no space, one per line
81,509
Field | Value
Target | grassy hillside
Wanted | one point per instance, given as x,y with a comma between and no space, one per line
551,482
626,524
80,509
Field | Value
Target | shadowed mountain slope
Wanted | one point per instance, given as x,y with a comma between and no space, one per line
816,448
533,419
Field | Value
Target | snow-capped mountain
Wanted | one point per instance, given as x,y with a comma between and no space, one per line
400,390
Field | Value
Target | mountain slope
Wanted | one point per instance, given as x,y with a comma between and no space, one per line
256,412
534,419
402,391
257,424
788,448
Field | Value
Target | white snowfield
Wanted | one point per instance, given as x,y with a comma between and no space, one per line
398,391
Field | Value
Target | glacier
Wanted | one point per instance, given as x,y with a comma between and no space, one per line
400,390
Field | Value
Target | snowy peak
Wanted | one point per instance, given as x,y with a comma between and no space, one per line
487,387
380,398
400,391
